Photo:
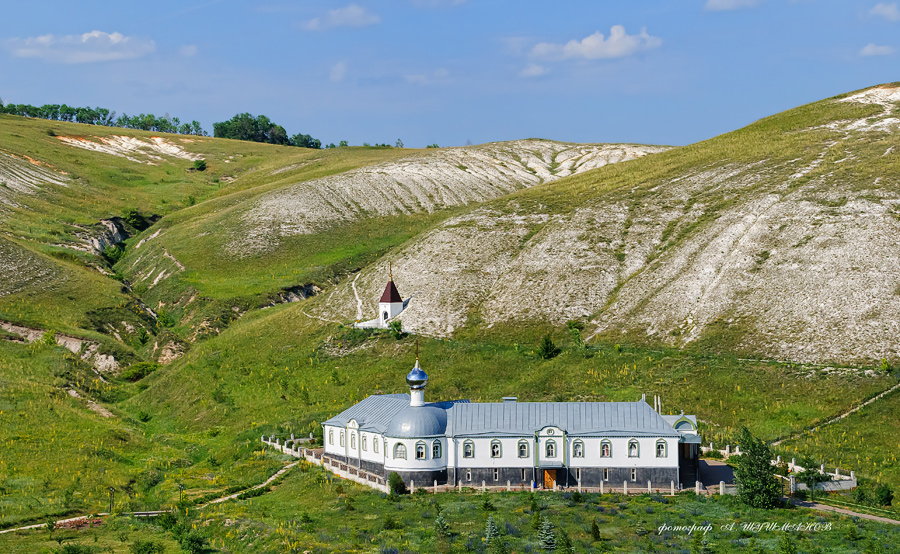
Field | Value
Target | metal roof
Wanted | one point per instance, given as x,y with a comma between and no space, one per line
377,413
390,294
575,418
373,413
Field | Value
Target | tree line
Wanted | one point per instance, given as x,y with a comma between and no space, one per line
104,116
244,126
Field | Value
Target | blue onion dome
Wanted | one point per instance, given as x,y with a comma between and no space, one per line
418,421
417,378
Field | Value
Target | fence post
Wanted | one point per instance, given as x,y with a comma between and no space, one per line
697,488
672,488
459,483
601,486
579,485
625,487
508,486
721,487
412,486
435,486
793,485
483,487
649,490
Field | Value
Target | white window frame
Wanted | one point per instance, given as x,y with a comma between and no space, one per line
363,441
496,474
578,449
468,449
523,443
331,437
665,449
353,440
375,445
606,443
606,474
399,451
637,448
420,449
436,449
343,439
550,449
496,449
468,475
633,474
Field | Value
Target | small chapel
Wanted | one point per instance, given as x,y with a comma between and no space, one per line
389,307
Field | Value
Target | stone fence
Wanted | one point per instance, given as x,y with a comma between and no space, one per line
838,481
316,456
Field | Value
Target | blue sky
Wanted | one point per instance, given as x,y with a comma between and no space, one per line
452,71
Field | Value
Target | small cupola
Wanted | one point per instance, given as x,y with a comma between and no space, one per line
417,379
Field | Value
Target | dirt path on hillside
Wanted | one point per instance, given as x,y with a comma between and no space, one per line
267,482
839,417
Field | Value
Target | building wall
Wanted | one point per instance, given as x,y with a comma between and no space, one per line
411,463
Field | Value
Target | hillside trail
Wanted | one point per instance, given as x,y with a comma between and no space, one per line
842,511
839,417
151,513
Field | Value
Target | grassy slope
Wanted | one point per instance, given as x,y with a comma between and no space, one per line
307,513
275,369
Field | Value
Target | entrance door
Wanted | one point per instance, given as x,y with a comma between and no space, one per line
549,479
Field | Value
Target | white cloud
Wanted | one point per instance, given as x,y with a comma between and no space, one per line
188,50
352,15
724,5
95,46
873,49
619,44
887,11
533,70
437,76
338,72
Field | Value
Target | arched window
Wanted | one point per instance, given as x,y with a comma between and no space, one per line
384,315
375,445
331,436
342,438
420,450
578,449
523,449
399,451
363,442
353,440
468,449
550,449
606,449
661,449
436,449
633,449
495,449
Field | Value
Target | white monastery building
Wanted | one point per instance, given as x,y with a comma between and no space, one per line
526,443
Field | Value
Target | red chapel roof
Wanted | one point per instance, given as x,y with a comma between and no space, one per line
390,293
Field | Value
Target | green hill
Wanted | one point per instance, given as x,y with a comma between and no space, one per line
689,272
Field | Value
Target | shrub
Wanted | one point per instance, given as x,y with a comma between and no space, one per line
548,348
396,484
113,254
391,523
138,371
883,495
396,328
595,531
200,165
167,521
77,549
147,547
193,542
